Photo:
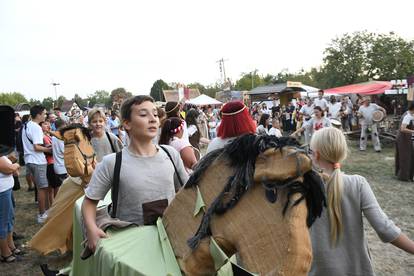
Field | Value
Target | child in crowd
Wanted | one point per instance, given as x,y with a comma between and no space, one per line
263,128
140,181
172,134
102,141
58,149
338,242
50,171
275,130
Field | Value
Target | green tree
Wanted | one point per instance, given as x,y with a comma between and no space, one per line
390,57
156,90
60,100
12,99
199,86
33,102
119,93
246,82
346,61
212,89
99,97
48,103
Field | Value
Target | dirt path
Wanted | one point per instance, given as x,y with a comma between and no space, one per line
396,199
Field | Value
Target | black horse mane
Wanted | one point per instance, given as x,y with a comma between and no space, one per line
242,154
84,130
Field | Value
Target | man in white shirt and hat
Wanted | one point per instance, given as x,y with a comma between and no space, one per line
366,112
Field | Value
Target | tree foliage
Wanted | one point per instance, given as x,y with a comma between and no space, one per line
12,99
60,100
156,90
48,103
249,81
119,93
362,56
99,97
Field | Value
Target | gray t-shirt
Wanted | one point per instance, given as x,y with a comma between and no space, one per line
142,179
102,146
351,256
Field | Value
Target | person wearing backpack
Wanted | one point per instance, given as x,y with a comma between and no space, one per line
34,157
147,172
103,142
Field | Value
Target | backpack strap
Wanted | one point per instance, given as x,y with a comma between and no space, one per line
110,141
175,168
25,132
115,183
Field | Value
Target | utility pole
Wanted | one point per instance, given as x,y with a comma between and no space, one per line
55,84
222,69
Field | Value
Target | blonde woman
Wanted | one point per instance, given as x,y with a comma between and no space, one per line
338,240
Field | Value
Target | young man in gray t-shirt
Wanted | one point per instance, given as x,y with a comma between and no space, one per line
147,174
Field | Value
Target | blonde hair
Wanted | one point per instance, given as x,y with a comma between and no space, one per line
331,144
95,111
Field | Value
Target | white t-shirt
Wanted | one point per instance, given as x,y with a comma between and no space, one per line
408,118
58,147
314,124
275,131
334,109
323,103
367,112
179,144
191,130
261,130
33,132
307,110
218,143
6,180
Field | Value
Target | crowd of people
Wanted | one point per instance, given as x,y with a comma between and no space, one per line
158,148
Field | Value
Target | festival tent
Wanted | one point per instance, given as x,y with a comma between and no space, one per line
204,100
364,88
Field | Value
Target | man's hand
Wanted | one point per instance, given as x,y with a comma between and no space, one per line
94,235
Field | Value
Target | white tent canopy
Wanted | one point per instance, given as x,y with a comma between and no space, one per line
204,100
309,91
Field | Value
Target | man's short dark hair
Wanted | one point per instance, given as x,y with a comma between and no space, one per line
411,106
126,107
36,109
321,91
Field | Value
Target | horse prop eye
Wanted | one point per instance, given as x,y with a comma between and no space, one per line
271,195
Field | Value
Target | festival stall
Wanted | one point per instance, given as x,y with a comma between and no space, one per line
283,91
204,100
365,88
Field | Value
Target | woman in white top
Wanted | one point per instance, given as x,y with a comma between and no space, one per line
263,128
317,122
172,134
7,247
338,242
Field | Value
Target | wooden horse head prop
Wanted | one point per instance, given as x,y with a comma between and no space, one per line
260,195
79,154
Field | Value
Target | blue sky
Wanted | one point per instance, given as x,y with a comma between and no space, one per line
93,45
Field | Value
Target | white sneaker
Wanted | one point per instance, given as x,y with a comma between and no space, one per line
41,218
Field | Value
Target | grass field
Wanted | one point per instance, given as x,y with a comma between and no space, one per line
395,197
